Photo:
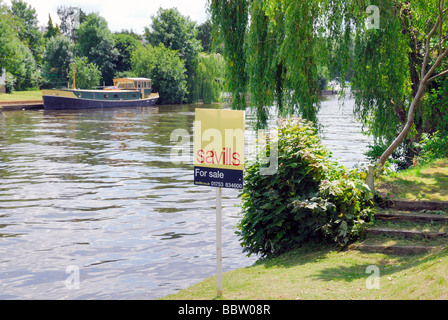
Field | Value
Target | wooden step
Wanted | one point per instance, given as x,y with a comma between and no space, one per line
419,205
406,233
411,217
393,249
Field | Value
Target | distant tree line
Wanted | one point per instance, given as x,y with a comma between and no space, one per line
174,51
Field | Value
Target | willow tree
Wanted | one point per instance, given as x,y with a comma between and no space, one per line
209,77
270,48
434,50
392,49
231,18
393,64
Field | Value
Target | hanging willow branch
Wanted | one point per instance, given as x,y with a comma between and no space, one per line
272,55
426,77
231,18
274,48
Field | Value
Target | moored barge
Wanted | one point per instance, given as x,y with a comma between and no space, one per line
126,92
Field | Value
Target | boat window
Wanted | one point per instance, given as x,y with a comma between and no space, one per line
115,96
106,96
134,95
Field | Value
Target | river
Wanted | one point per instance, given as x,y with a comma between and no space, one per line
92,207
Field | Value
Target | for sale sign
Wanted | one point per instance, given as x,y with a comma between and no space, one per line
219,148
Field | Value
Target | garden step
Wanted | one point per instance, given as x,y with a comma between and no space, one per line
411,217
406,233
418,205
394,249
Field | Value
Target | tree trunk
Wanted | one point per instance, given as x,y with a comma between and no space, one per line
424,79
410,121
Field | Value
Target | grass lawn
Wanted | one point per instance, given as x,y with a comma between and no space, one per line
428,182
325,274
21,96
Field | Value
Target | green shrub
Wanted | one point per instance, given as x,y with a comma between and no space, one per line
165,68
432,147
10,83
87,74
309,198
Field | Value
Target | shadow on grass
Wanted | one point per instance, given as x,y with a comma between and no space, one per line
345,265
428,182
308,253
359,271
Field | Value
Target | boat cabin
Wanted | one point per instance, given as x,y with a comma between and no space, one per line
132,83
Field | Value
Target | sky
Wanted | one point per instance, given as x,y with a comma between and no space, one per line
121,15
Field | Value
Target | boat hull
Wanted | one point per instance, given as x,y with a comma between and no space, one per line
68,103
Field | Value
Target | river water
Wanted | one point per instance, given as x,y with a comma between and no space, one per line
92,207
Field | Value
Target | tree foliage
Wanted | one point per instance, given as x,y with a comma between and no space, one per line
58,55
166,70
87,74
231,18
96,42
35,57
28,32
125,43
379,66
15,55
395,63
52,30
176,32
274,57
9,41
205,35
275,48
209,77
390,73
434,53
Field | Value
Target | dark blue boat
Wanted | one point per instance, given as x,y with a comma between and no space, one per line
126,92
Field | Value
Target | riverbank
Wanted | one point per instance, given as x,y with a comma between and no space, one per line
21,100
326,273
18,96
32,100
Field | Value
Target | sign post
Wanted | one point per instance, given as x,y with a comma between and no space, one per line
219,241
219,161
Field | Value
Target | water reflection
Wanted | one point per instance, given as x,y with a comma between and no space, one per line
97,190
